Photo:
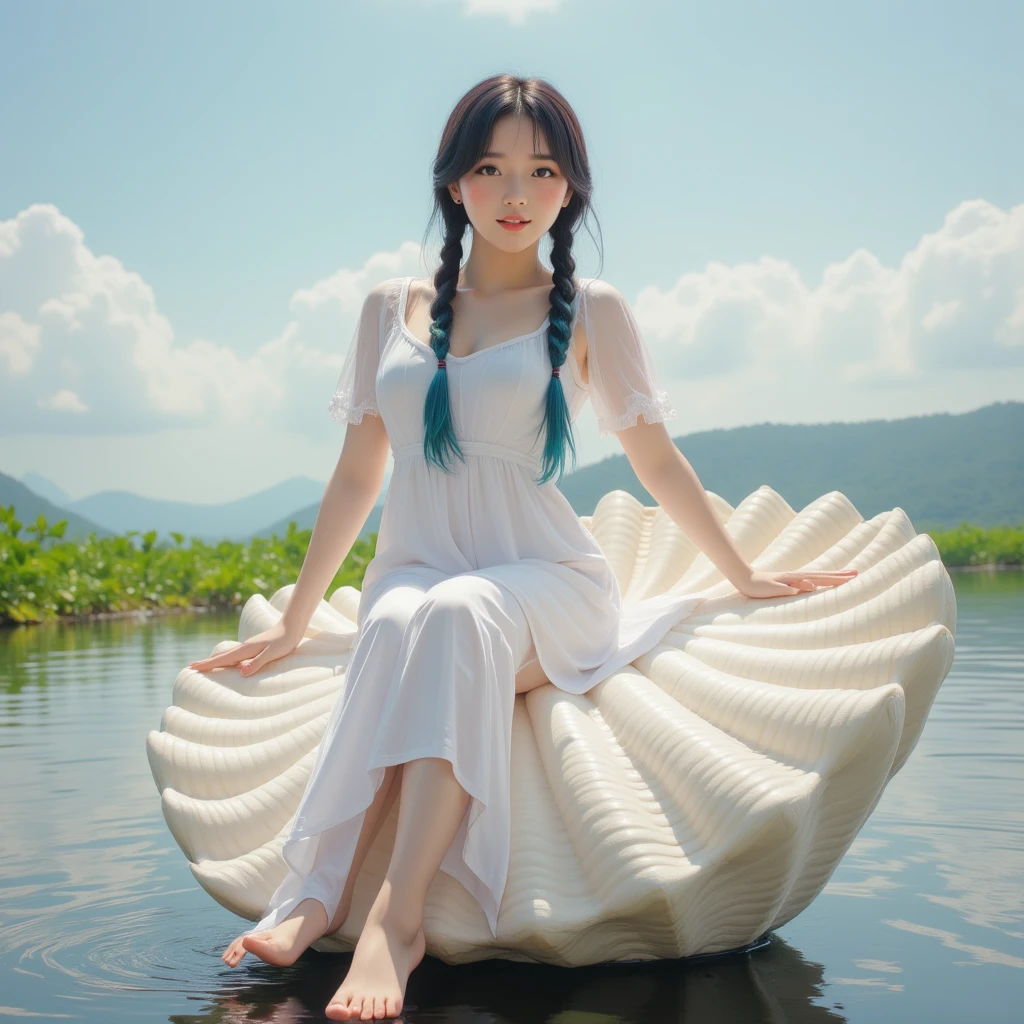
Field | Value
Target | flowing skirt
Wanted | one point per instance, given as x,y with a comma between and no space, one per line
432,674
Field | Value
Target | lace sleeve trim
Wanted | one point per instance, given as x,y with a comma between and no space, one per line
653,410
341,410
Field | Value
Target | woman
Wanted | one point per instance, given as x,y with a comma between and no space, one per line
485,583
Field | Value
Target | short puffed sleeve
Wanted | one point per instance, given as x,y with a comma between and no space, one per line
356,390
622,379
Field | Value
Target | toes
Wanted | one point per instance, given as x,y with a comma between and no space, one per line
390,1007
342,1005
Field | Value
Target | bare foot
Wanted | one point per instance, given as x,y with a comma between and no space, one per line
283,944
374,987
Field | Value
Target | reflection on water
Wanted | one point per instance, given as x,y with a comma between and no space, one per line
101,919
772,984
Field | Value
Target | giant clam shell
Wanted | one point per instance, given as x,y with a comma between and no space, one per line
691,802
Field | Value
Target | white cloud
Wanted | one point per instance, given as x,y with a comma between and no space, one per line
64,400
956,301
81,333
941,314
84,347
516,11
19,343
1011,331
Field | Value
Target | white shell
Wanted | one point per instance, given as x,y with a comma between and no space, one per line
690,803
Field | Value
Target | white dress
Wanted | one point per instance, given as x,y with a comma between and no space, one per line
476,572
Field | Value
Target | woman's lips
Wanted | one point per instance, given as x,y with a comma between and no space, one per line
513,225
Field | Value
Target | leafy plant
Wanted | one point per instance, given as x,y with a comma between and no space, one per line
980,545
42,581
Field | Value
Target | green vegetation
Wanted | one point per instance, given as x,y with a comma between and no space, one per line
978,545
40,581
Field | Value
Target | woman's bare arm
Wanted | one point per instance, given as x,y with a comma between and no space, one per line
346,505
670,479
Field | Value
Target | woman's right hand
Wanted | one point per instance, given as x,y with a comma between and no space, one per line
256,652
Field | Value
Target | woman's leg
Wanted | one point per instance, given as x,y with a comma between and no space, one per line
370,668
284,944
392,784
530,675
452,704
431,810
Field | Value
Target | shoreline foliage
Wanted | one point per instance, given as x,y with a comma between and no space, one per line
43,578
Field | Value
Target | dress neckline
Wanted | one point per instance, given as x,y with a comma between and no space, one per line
472,355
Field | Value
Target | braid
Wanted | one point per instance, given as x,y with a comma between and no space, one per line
439,442
556,410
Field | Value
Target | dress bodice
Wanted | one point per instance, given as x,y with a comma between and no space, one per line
496,395
488,510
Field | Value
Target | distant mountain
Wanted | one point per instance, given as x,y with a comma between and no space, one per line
940,469
28,506
306,517
46,489
121,511
115,512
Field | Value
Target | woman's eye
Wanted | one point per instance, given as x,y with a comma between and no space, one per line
485,167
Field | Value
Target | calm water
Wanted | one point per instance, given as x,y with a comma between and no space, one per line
101,920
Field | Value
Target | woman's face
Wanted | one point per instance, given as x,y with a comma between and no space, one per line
512,180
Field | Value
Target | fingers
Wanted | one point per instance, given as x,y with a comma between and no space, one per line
803,586
248,667
248,657
805,582
826,577
229,657
789,584
264,653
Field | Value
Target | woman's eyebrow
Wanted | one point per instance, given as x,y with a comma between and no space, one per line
536,156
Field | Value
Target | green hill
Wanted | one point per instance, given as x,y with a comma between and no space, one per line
28,506
940,469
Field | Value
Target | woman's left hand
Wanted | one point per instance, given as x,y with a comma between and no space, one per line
783,584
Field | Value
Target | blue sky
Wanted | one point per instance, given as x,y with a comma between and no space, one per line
814,209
